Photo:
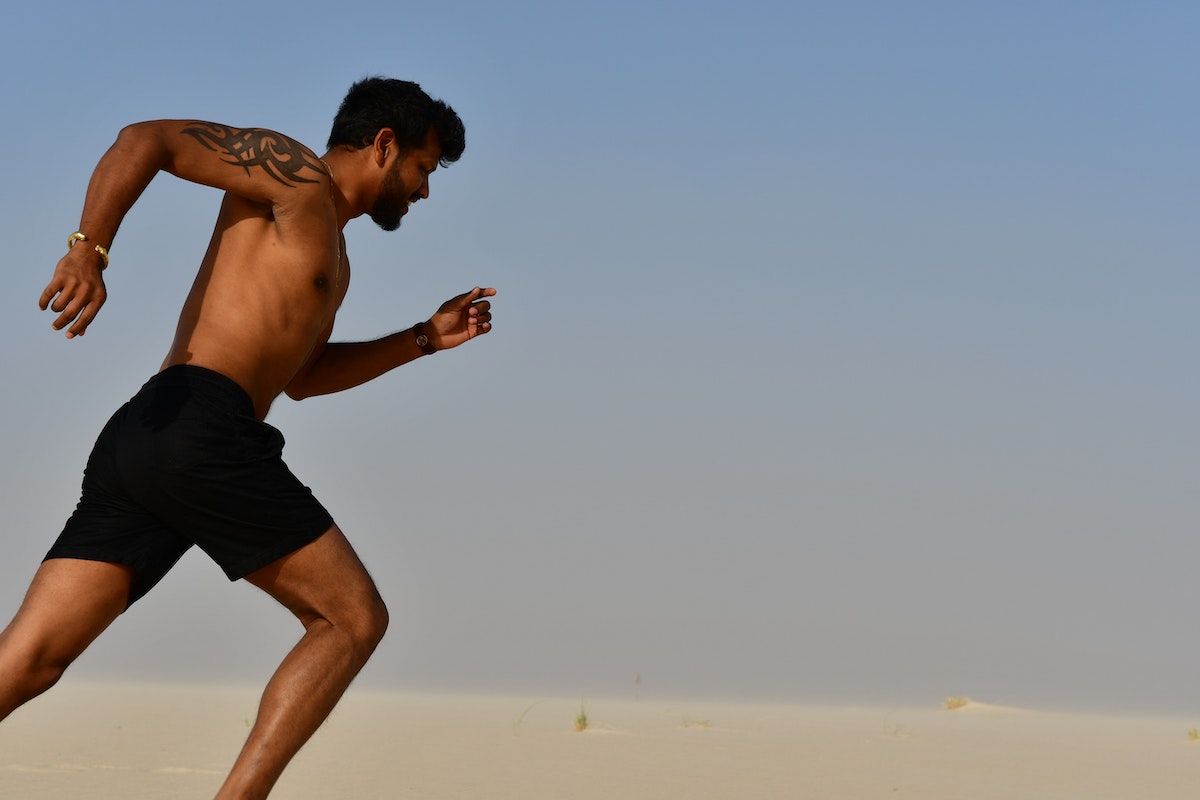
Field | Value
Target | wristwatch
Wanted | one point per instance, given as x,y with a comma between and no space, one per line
422,340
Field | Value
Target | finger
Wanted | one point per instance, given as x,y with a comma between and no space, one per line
83,321
477,293
66,318
47,295
58,295
72,293
459,302
74,307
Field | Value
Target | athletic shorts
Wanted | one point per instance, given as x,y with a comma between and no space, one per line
186,462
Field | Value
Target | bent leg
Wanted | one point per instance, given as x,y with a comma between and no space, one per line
326,586
69,603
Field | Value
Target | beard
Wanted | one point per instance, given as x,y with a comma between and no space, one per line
391,204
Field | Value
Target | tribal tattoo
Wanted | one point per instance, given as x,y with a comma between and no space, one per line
280,157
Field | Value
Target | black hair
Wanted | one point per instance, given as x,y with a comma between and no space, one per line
377,102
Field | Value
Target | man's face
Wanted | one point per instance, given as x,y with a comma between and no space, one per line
406,182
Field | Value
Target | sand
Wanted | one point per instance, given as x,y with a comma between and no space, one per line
100,742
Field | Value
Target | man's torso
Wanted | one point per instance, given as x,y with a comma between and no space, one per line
266,293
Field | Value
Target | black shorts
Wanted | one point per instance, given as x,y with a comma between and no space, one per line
186,462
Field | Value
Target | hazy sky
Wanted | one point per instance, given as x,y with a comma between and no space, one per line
843,351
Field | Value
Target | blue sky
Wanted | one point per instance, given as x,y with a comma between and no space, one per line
842,351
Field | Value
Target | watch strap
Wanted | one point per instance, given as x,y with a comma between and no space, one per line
423,340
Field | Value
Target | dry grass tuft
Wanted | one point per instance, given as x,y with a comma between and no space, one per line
953,703
581,719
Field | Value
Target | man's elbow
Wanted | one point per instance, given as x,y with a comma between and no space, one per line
296,390
135,131
144,143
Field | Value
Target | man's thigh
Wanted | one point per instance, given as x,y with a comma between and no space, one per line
322,580
69,603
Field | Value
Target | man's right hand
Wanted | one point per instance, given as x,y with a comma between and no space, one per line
76,291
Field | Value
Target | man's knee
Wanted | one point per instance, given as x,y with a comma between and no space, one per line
68,605
40,673
360,617
367,622
324,583
28,669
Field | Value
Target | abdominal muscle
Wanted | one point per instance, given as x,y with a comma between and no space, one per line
260,303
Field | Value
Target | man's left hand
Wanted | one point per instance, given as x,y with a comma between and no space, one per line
461,318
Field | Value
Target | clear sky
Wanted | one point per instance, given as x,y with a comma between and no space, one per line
843,351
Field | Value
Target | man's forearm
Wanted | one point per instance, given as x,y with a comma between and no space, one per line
119,179
344,365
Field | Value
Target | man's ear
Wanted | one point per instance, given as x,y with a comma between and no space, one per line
383,146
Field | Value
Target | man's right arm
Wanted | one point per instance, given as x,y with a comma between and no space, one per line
257,164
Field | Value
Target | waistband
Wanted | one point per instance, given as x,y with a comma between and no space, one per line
207,381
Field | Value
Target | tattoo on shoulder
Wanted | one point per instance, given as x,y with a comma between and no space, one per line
279,156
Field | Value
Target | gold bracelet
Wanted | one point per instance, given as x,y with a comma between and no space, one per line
79,237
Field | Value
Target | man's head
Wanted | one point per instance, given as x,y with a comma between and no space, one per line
376,103
406,181
409,134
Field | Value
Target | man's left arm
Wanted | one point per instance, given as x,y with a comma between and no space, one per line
336,366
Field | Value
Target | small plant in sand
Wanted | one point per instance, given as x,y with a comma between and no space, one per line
1194,735
953,703
520,719
581,720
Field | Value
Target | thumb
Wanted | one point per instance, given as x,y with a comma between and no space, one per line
459,302
465,299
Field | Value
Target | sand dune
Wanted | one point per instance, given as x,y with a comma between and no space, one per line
102,742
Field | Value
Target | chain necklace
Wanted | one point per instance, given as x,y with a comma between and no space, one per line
337,268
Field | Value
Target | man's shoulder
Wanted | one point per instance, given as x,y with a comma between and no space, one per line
277,155
259,164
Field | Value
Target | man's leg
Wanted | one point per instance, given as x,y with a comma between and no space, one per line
68,605
328,589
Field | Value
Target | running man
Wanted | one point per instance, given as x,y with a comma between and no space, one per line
189,460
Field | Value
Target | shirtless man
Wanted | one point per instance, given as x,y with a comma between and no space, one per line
189,460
